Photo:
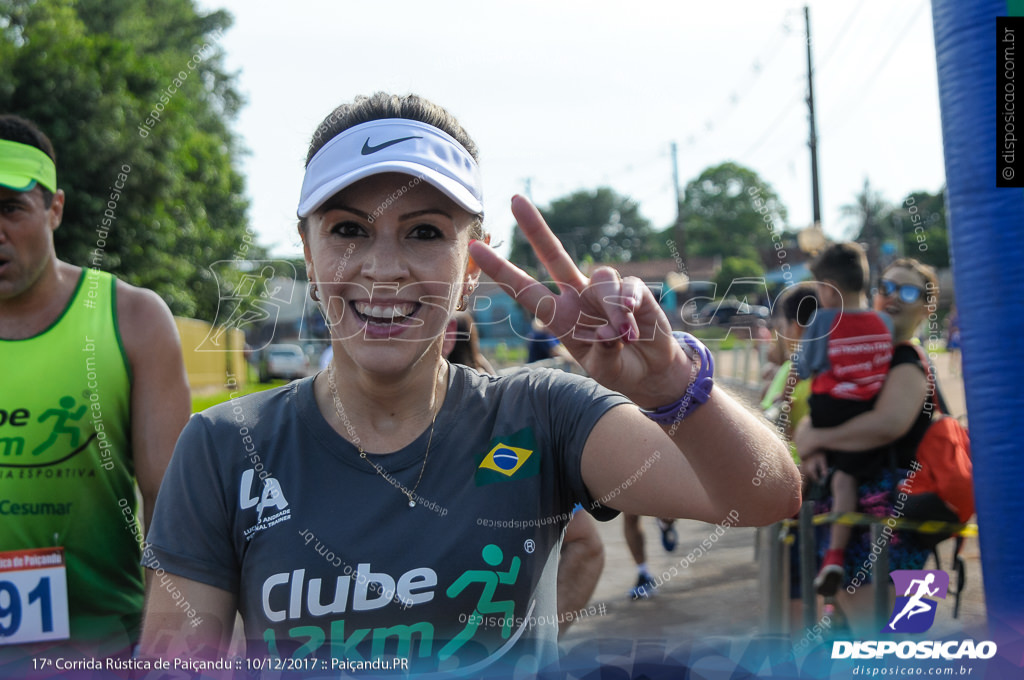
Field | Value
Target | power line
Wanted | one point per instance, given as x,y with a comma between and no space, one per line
871,80
796,148
756,69
799,98
738,94
767,53
635,166
850,20
835,42
774,124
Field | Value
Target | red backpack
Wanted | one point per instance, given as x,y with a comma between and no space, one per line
944,457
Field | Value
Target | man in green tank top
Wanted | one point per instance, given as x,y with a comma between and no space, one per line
93,395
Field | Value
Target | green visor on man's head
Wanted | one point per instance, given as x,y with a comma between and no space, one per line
21,166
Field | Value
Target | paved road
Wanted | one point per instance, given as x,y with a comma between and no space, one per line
716,594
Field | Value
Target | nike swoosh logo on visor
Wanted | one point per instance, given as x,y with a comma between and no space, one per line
367,149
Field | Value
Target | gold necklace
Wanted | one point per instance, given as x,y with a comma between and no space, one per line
362,454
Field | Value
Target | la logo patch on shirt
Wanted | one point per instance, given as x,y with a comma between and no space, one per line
513,456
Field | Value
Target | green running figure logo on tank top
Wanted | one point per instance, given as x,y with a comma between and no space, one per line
61,415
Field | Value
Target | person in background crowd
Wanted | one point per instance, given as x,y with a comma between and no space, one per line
784,403
634,534
580,563
898,422
94,394
846,350
465,344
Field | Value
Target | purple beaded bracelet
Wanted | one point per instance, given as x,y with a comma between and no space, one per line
697,392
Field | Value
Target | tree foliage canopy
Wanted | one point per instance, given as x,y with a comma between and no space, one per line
916,228
599,225
730,211
134,88
734,268
920,223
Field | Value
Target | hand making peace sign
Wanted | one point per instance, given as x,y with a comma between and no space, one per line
612,326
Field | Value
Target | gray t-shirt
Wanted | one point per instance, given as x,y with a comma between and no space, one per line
264,499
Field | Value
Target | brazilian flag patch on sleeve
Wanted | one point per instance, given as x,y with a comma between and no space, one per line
513,456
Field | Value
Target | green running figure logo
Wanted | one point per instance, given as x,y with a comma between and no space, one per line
61,415
486,605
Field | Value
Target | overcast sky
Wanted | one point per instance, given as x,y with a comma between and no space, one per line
576,95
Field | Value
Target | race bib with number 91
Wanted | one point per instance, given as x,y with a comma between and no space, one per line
33,596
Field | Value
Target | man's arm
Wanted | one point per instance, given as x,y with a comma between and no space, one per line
160,399
196,626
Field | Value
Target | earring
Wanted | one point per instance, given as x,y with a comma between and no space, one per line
464,301
313,293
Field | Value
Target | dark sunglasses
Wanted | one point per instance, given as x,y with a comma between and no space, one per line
908,293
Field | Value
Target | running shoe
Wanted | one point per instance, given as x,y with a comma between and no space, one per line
669,537
644,588
827,581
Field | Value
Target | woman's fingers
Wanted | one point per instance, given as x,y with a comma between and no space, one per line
608,298
547,246
652,322
605,309
521,286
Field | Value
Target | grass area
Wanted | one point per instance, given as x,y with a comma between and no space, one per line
205,400
501,355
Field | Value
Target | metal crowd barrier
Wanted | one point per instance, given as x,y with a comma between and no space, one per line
773,542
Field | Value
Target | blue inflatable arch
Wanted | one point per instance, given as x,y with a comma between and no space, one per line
986,226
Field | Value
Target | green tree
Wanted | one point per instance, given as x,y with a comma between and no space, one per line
135,98
734,268
600,225
919,223
730,211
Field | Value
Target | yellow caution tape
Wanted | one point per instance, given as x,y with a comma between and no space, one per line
921,527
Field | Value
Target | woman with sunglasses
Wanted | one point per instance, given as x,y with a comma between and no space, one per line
899,418
408,509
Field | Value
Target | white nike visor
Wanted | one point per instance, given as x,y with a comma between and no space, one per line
392,145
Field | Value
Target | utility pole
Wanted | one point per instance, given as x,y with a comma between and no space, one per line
529,188
680,229
813,142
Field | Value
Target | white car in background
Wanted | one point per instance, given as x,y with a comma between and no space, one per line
283,361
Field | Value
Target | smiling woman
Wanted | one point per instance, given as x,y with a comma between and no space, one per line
898,420
392,456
